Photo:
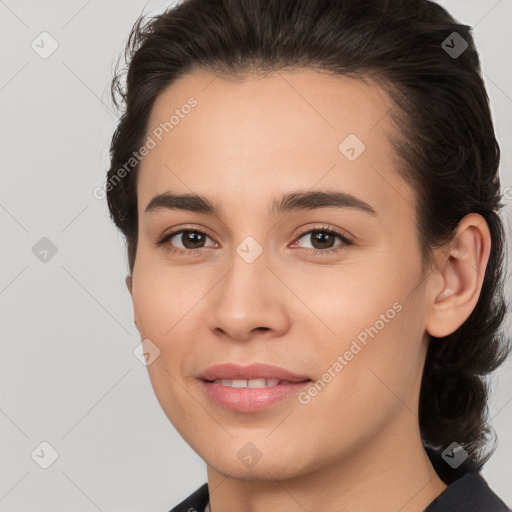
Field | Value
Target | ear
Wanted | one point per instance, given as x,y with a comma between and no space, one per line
461,266
128,282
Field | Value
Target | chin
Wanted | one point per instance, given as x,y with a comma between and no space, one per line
241,459
269,471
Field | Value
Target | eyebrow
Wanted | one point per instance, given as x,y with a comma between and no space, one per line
293,201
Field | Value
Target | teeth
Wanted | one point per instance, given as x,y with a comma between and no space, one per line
252,383
259,383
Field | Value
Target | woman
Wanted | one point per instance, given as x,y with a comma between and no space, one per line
310,197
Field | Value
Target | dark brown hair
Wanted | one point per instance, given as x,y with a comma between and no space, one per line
446,148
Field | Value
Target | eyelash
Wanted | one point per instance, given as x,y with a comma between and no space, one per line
310,252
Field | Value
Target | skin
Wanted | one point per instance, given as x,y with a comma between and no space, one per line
356,445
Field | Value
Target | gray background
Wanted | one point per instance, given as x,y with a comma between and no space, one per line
68,375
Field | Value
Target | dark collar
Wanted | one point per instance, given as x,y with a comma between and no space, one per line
447,473
195,502
467,490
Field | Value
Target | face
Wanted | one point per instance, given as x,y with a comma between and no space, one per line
326,287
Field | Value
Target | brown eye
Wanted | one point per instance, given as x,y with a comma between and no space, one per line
190,240
323,240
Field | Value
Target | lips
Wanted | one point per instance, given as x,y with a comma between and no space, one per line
253,371
250,388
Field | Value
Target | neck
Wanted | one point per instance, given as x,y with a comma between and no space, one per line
389,472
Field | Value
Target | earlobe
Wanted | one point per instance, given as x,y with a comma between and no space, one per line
129,281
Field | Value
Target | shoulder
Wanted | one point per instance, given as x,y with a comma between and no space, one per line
196,502
470,493
467,490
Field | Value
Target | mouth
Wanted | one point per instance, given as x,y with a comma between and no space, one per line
252,372
250,388
252,383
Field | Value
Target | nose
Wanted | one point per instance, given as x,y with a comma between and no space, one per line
248,302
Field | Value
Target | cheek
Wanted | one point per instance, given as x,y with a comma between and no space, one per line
157,302
164,313
375,326
148,307
158,311
355,304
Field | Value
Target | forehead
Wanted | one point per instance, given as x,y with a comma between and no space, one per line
286,130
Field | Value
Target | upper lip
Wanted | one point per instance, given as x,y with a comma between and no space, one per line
248,372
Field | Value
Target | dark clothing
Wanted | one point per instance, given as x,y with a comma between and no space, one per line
467,491
195,502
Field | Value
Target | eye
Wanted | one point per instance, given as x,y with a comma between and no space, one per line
192,241
323,238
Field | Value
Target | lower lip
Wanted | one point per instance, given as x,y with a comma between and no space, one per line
251,399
